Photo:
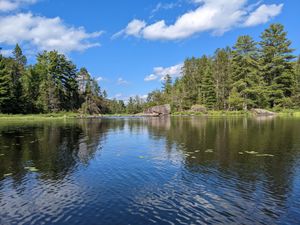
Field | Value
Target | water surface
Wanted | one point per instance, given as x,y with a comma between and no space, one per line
150,171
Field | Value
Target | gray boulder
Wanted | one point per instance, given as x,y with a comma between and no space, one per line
198,108
159,110
262,112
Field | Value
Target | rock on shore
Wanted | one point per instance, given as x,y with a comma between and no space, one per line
262,112
158,110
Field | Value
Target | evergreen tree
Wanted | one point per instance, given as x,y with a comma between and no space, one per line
296,96
235,101
191,81
221,74
5,83
19,57
92,103
276,64
208,90
31,81
17,70
245,73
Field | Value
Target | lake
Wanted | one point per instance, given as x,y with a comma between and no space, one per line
178,170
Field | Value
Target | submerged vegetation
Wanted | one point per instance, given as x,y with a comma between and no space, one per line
248,75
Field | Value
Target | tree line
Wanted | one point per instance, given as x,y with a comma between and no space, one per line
53,84
248,75
264,74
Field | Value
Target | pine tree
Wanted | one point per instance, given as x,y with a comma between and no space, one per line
208,90
19,57
5,83
221,74
191,81
245,73
17,70
276,64
235,101
296,96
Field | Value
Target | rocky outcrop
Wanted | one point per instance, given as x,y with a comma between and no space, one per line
262,112
198,108
158,110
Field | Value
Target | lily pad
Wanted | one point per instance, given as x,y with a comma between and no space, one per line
7,175
2,155
31,169
251,152
264,155
141,157
209,151
241,153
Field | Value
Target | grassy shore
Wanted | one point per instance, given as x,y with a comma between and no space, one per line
70,115
49,116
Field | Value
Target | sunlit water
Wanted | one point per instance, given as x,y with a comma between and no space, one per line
150,171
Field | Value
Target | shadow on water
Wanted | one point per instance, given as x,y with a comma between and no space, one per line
146,170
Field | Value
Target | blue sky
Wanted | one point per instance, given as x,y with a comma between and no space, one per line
130,45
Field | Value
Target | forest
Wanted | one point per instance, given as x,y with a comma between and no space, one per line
264,74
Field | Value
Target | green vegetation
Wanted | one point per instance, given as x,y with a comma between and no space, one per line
234,80
248,75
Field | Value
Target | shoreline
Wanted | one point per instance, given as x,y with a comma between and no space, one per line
60,116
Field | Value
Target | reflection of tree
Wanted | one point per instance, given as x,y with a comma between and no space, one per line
54,148
228,137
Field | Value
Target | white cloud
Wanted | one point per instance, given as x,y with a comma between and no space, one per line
6,52
99,79
134,28
44,33
217,16
151,77
10,5
161,72
121,81
118,96
164,6
263,14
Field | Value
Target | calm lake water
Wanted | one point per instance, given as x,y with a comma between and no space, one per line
151,171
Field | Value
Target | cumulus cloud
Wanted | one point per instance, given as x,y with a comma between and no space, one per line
164,6
217,16
134,28
44,33
263,14
6,52
100,79
10,5
161,72
121,81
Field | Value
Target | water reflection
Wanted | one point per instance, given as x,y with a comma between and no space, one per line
163,170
